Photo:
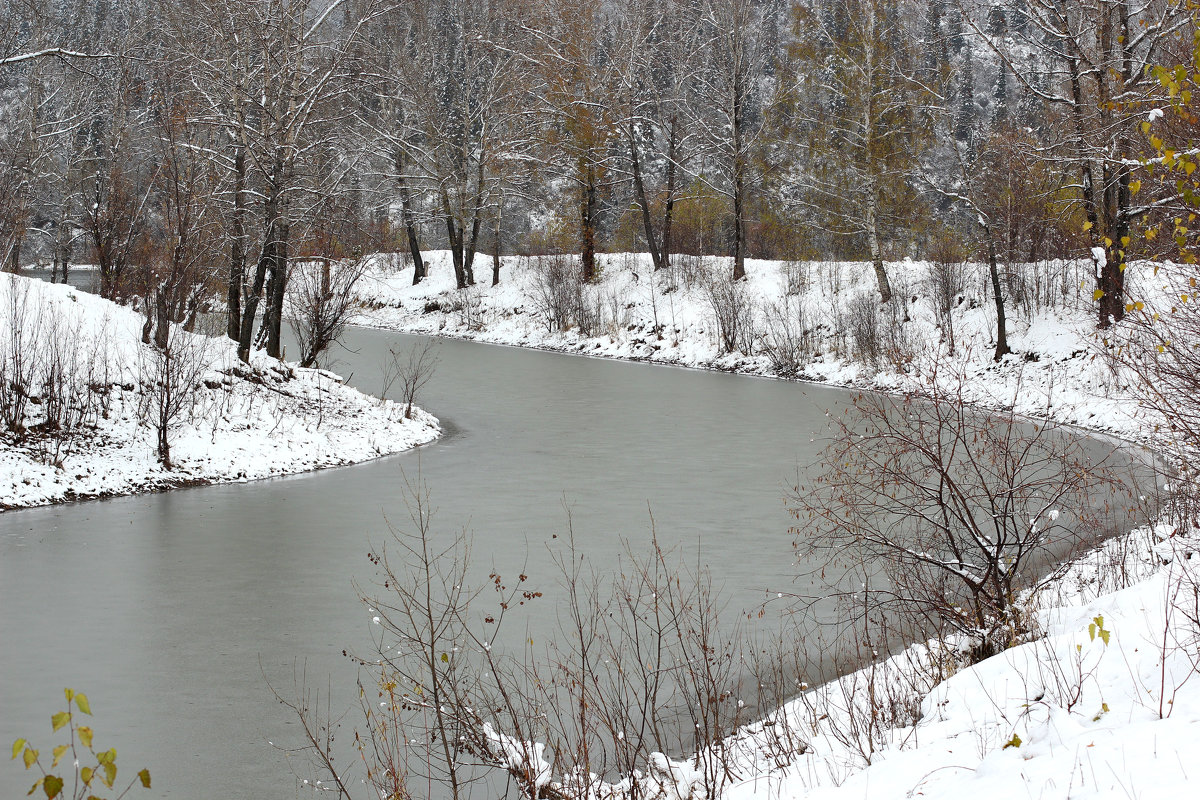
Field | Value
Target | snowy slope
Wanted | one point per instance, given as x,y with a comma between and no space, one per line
247,423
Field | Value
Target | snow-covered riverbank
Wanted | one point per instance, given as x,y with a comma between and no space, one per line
242,422
815,321
1103,703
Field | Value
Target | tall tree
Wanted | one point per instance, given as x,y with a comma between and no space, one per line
577,71
862,131
1098,52
732,114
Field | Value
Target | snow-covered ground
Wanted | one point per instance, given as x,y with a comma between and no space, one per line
269,418
1104,703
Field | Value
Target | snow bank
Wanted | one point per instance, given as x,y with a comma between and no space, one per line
1103,705
268,418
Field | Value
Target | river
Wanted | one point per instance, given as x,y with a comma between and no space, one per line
173,611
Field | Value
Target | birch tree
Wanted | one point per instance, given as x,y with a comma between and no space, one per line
862,132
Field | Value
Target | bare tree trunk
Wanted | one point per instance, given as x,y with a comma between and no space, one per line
1001,321
162,322
739,183
496,250
640,188
881,278
254,295
14,256
669,210
410,227
587,210
279,287
237,259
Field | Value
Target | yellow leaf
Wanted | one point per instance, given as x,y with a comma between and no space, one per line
29,757
1087,226
18,745
58,753
60,719
1135,187
85,775
85,736
144,775
1096,295
82,701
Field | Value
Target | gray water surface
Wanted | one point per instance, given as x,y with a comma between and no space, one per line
169,609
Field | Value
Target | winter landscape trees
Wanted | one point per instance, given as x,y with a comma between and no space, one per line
823,128
263,159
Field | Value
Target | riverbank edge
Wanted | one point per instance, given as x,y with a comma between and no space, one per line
1147,437
270,419
160,484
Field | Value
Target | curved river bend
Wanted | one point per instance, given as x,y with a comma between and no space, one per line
169,609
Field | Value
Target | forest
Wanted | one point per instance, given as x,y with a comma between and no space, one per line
191,151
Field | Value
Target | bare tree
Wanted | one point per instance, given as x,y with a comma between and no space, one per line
960,509
322,299
1098,82
859,131
169,378
733,110
413,368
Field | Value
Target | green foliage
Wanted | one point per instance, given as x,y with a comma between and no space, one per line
89,778
1175,139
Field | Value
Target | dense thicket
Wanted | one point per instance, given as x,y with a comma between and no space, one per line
196,149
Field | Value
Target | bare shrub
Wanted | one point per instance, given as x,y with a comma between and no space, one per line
689,271
733,312
862,320
557,289
412,368
54,374
639,668
960,510
947,283
795,276
169,378
20,365
321,297
786,338
469,305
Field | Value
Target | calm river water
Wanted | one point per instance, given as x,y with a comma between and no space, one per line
172,611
